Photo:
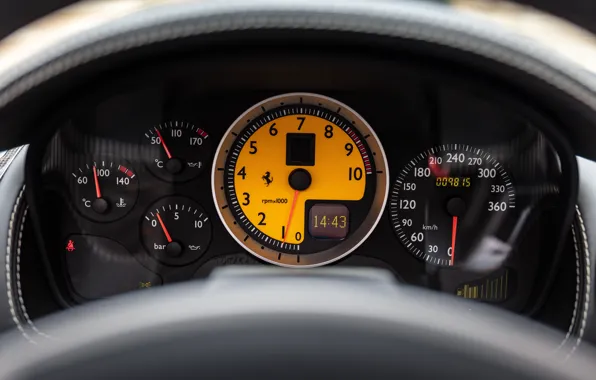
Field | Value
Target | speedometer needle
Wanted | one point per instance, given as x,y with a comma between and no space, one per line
435,168
453,236
296,193
163,227
163,143
97,189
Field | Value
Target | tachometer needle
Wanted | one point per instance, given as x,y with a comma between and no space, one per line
163,143
453,236
163,227
287,229
97,189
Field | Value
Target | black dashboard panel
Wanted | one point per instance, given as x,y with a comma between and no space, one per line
412,105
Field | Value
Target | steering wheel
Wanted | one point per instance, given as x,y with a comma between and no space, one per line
265,322
273,322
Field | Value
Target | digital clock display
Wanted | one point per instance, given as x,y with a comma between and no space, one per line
452,182
328,221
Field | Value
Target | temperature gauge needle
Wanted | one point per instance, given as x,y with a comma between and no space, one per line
453,237
97,189
163,227
287,229
163,143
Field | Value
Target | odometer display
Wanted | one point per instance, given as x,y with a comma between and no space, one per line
300,180
445,199
453,182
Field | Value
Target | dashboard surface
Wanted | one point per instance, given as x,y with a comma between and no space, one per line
470,189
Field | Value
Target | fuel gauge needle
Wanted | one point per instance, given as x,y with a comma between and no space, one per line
453,237
163,143
163,227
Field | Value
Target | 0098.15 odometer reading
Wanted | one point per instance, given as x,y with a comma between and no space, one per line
445,193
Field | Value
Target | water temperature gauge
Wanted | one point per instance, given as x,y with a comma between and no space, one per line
176,230
180,151
105,191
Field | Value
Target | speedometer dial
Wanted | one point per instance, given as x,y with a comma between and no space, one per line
300,180
445,199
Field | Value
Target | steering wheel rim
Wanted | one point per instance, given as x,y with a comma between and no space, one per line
394,321
271,322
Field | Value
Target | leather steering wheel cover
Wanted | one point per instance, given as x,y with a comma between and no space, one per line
340,322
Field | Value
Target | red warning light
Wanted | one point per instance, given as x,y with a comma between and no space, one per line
70,246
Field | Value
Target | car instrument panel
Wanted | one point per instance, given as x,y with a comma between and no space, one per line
167,173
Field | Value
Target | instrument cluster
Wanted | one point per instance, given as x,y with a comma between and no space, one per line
450,189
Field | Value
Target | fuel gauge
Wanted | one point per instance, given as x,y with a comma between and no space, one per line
105,191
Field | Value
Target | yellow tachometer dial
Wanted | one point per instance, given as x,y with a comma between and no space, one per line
300,180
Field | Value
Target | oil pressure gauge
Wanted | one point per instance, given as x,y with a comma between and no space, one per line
176,230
